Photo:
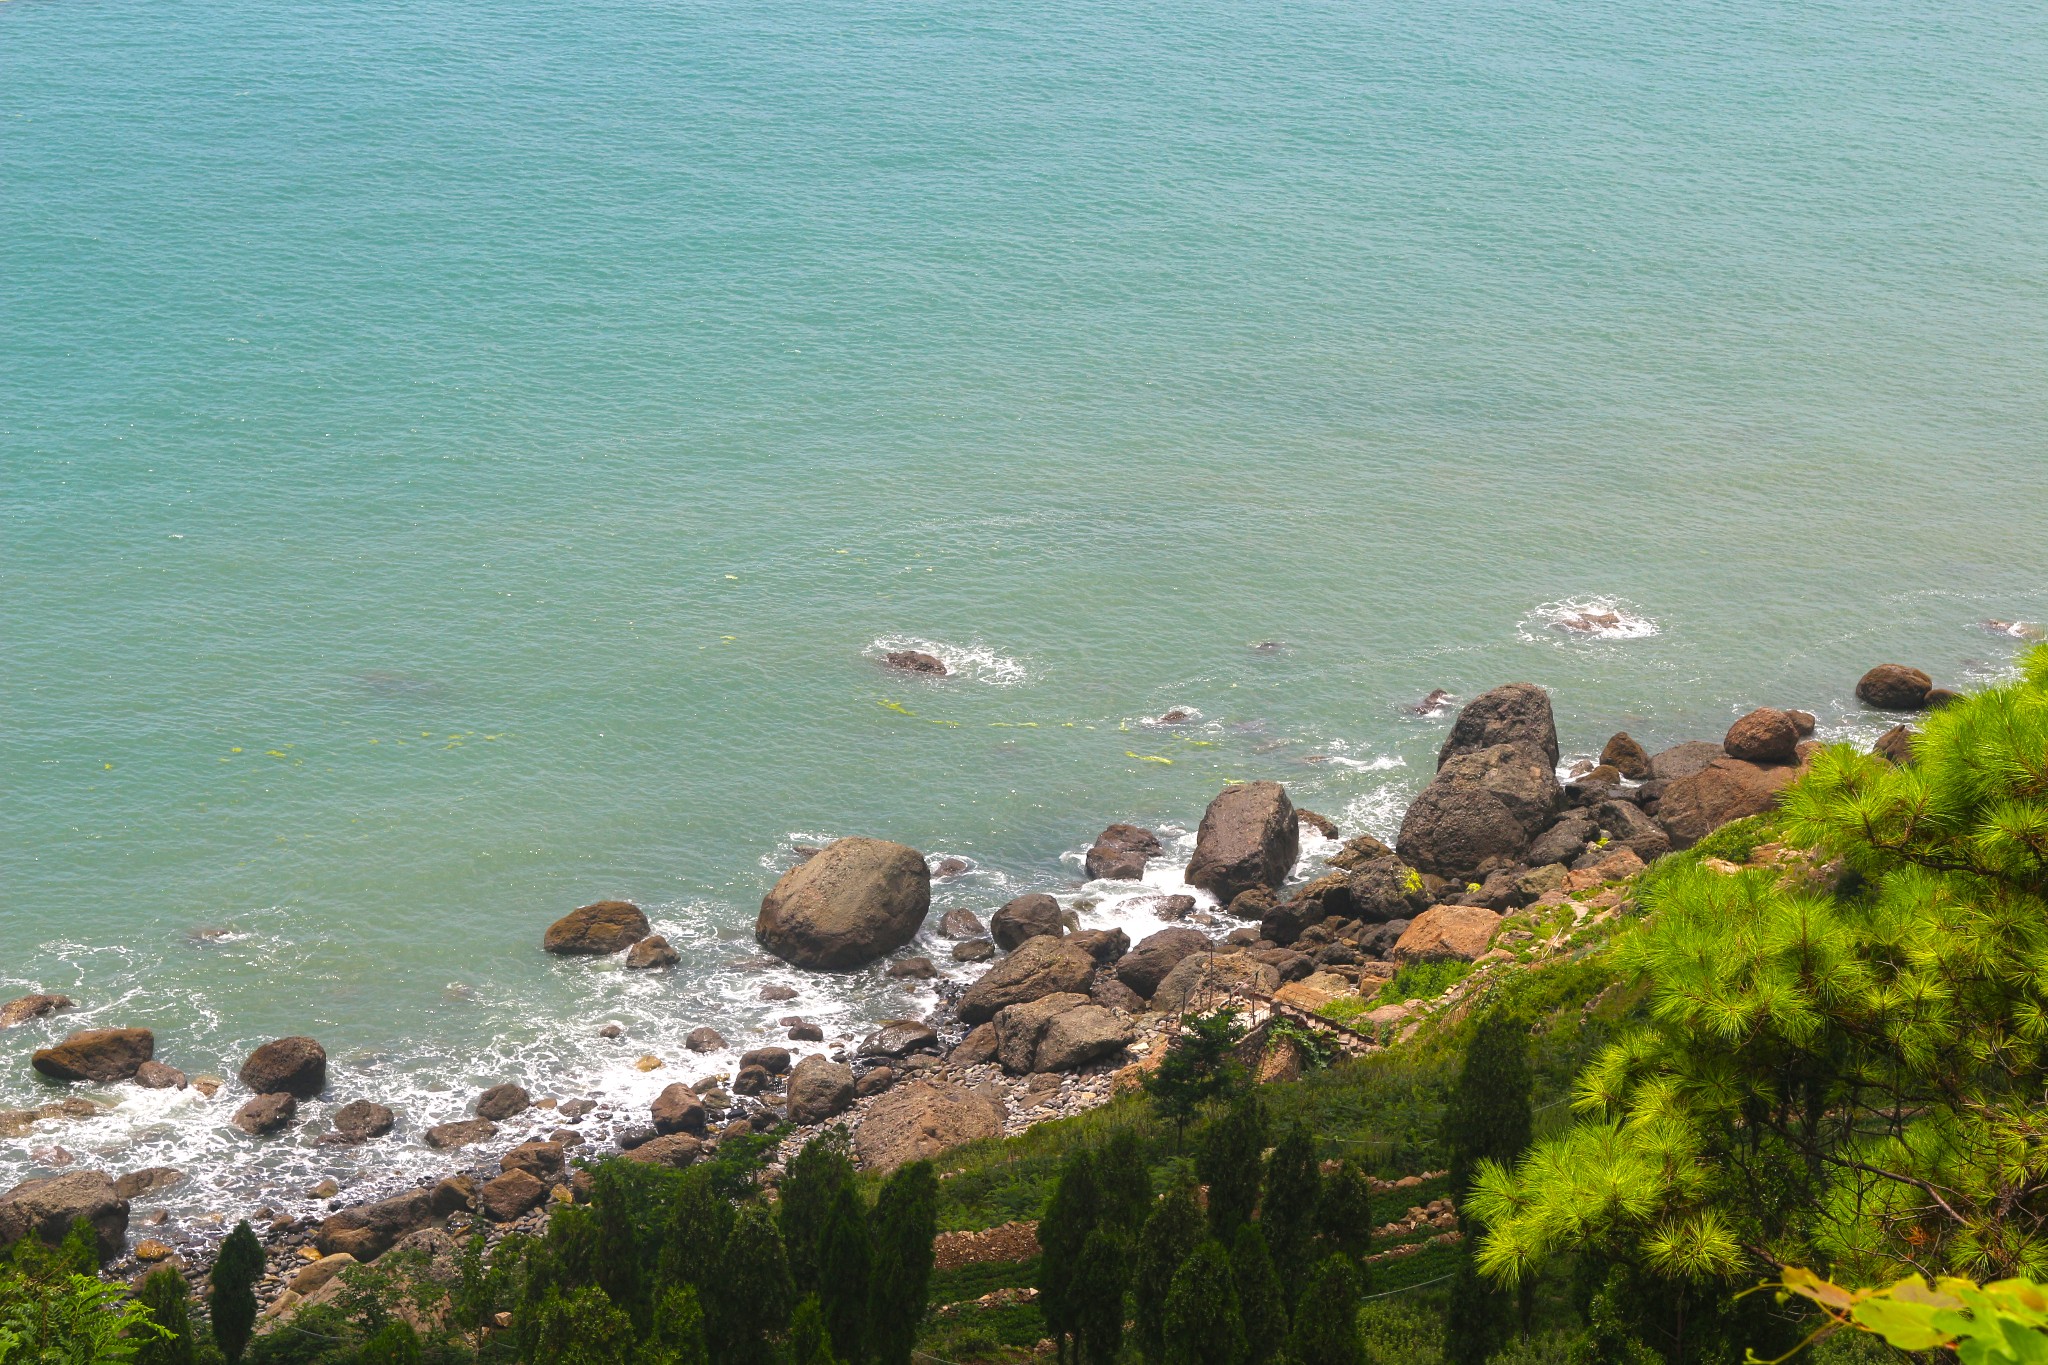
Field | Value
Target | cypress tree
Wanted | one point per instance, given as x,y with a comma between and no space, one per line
1124,1183
699,1222
1326,1320
581,1327
1344,1213
809,1341
618,1200
746,1294
1294,1183
395,1343
1171,1234
906,1219
1260,1302
1073,1212
1203,1325
678,1335
814,1178
232,1303
1475,1321
168,1298
1096,1296
1488,1117
843,1255
1229,1164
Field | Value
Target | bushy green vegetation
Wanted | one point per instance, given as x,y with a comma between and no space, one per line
1422,981
1842,1066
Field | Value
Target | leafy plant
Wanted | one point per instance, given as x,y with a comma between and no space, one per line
2003,1323
1422,981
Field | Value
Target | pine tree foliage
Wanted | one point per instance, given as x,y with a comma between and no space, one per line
1199,1065
1836,1069
1488,1118
1325,1330
1203,1324
168,1298
1260,1302
232,1305
1171,1234
1230,1164
906,1219
1287,1214
581,1327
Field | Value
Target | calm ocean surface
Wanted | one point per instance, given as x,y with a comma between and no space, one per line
459,462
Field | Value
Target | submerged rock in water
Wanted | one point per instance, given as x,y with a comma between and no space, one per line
1894,687
651,954
916,661
266,1114
29,1007
295,1066
360,1120
101,1055
503,1102
596,930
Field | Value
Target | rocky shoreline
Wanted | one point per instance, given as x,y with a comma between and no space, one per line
1497,846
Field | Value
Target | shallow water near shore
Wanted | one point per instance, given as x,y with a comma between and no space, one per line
459,465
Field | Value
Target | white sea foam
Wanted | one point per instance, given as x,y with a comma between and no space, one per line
1586,618
973,662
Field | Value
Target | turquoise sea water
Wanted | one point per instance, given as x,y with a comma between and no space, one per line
459,462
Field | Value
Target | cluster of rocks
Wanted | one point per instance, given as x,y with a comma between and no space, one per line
1064,1016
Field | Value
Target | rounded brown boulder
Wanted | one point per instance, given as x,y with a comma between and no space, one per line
678,1110
295,1066
1041,966
819,1089
101,1055
1626,756
1726,789
597,929
1765,735
503,1102
1248,837
1027,917
1894,687
651,954
857,900
266,1114
360,1120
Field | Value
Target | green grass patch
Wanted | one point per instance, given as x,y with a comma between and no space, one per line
972,1281
1420,1268
1346,1009
1422,981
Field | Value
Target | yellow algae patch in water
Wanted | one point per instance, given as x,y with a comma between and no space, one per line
1148,758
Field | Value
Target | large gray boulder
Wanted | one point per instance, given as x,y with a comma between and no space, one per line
1248,837
1145,966
1726,789
294,1066
1480,811
101,1055
1628,827
1076,1037
1039,967
855,901
920,1120
49,1206
1517,714
818,1089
